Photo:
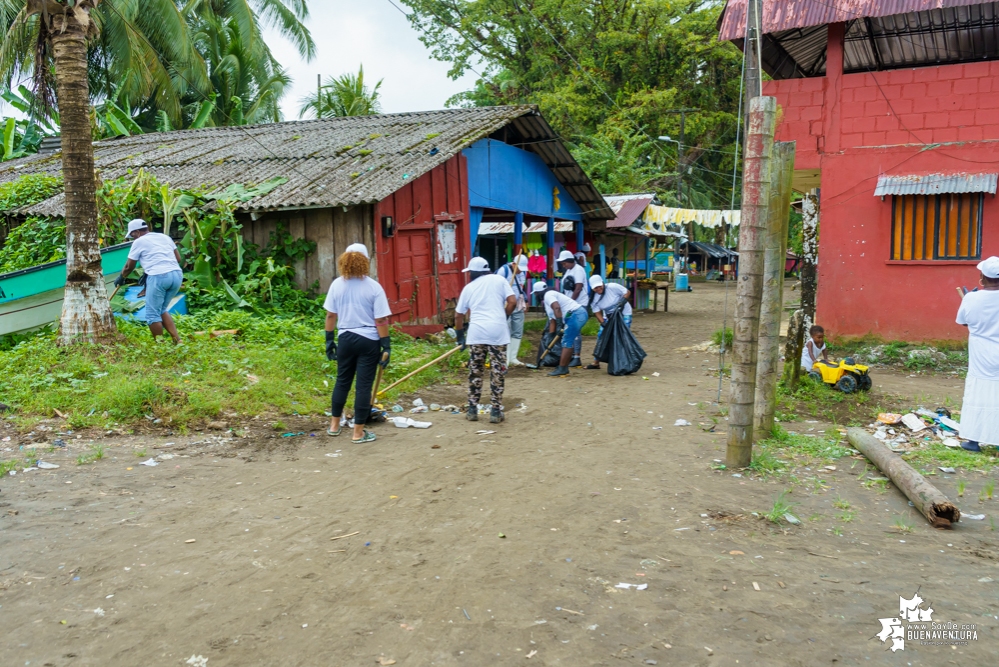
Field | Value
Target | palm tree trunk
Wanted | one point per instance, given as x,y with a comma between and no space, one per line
86,311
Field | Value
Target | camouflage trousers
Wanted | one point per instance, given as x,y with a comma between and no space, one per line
477,369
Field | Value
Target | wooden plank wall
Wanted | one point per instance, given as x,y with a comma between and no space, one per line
332,229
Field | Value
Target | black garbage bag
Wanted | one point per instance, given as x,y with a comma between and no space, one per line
618,347
552,358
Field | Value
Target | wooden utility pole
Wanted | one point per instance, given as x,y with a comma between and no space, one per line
753,84
804,318
749,289
781,173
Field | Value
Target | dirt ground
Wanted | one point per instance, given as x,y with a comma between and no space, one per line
451,547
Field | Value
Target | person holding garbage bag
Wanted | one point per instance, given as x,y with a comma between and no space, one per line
574,286
515,273
357,306
566,314
491,301
606,300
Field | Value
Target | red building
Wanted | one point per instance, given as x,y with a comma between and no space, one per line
894,105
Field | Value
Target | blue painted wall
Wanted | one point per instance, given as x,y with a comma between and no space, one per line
512,179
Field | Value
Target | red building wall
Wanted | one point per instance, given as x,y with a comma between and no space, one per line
419,268
856,127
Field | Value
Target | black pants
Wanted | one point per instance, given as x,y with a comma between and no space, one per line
355,355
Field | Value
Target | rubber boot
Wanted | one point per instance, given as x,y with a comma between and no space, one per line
561,370
472,414
511,353
575,363
496,416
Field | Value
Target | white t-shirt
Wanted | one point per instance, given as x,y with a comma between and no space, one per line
612,294
154,253
564,302
519,286
357,303
579,276
486,298
808,359
980,311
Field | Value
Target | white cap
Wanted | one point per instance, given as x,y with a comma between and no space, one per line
989,267
579,255
135,225
586,247
566,256
477,264
539,286
522,262
357,247
596,281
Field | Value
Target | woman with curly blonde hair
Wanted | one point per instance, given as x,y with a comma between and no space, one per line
359,306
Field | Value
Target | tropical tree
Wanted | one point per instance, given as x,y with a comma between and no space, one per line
344,95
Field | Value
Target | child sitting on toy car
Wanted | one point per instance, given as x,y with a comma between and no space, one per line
814,349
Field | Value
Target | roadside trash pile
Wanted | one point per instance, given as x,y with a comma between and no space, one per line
919,428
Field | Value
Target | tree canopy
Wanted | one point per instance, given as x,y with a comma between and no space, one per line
344,95
606,74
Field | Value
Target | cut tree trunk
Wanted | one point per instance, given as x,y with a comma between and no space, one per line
792,350
86,311
752,236
809,269
935,506
781,171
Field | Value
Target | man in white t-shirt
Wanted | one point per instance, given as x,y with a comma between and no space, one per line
157,255
574,286
980,313
562,311
606,300
490,300
515,273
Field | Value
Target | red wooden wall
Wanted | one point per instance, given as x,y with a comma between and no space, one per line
419,269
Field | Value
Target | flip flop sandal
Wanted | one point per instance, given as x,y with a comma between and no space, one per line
336,432
592,367
367,437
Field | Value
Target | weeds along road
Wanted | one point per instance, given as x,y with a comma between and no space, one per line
451,547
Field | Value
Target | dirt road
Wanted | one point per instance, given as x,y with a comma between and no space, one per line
448,547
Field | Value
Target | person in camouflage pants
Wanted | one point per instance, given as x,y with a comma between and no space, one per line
477,355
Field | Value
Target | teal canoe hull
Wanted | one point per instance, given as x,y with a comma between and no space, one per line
32,298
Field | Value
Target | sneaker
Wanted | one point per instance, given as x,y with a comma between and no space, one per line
472,413
575,363
560,370
496,416
971,446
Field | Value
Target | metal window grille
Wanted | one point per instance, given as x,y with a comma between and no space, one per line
937,227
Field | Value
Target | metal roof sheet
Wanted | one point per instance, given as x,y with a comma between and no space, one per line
629,208
495,228
933,184
328,162
781,15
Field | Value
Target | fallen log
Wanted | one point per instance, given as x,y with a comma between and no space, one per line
939,511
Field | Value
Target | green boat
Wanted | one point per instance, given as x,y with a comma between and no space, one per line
31,298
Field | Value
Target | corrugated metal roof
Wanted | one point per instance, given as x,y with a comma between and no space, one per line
781,15
628,208
934,184
328,162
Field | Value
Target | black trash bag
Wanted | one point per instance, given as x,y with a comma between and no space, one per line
618,347
553,357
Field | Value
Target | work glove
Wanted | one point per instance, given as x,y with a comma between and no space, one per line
460,337
331,345
386,349
120,280
559,325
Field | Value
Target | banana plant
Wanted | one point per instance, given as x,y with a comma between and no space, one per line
174,201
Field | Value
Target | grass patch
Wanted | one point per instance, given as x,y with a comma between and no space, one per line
276,365
781,507
95,454
716,338
785,450
816,400
928,457
591,327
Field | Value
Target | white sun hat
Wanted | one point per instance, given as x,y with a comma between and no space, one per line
989,267
476,264
357,247
566,256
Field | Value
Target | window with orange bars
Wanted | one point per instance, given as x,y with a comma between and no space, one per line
946,226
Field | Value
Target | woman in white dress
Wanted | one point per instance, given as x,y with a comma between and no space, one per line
980,313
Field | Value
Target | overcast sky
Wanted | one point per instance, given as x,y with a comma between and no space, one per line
373,32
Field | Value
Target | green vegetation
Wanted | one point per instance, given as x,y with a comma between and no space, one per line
95,454
591,328
781,508
902,525
344,95
945,356
840,503
716,338
275,365
784,450
928,457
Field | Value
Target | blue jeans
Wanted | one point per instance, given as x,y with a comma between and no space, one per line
160,291
627,320
574,323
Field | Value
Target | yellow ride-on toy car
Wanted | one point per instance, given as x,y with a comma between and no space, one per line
848,376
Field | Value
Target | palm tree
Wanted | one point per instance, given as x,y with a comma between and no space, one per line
345,95
63,31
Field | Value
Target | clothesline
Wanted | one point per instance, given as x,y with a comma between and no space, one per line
658,217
